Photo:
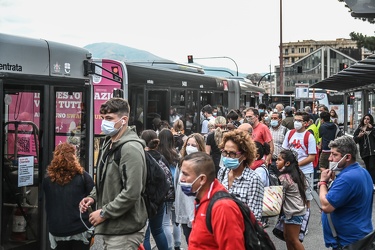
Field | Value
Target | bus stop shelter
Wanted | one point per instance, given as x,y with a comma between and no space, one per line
360,77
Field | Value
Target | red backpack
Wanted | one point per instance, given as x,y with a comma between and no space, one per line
306,142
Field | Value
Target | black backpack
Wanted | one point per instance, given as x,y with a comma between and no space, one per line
157,185
256,238
273,180
168,173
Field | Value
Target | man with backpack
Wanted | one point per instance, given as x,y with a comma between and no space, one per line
121,213
303,142
222,224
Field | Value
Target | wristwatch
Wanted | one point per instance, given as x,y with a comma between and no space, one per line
101,213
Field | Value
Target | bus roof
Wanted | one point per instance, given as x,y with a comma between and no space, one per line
141,74
28,56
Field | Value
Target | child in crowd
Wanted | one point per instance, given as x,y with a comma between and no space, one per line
294,200
259,166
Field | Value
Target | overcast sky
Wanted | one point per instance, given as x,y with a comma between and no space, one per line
248,31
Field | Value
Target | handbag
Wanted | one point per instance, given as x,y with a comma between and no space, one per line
366,243
278,230
272,201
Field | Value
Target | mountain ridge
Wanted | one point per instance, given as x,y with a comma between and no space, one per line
125,53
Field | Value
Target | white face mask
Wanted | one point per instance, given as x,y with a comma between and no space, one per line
191,149
108,127
297,125
334,166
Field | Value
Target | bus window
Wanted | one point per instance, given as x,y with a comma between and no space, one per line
191,116
177,109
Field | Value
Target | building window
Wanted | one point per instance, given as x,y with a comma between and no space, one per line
311,50
292,50
286,51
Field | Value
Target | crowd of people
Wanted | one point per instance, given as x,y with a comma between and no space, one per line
233,154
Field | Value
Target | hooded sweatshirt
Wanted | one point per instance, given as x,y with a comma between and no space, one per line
327,132
118,189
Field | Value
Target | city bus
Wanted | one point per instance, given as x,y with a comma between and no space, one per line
155,92
48,97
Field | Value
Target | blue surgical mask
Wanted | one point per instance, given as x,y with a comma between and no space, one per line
187,187
260,110
266,119
274,123
108,127
231,163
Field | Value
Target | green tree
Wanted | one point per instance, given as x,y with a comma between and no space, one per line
364,41
254,78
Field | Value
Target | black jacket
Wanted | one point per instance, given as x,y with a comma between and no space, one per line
366,143
62,205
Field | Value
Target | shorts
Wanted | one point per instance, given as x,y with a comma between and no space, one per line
310,181
296,220
323,160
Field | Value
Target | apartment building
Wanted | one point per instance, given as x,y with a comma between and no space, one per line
294,51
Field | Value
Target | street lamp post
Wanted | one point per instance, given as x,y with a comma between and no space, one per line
215,57
281,49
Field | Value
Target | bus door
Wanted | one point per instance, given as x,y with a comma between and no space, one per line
157,106
36,116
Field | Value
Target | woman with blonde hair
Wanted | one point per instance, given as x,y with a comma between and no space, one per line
239,152
184,205
214,139
65,185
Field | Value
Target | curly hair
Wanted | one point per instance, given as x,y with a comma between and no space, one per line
64,165
244,142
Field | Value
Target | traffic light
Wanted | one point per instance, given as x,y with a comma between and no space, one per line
299,69
342,66
115,73
190,59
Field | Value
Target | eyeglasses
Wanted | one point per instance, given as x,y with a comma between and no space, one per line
230,154
249,117
193,145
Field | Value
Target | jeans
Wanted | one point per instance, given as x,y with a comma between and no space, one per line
169,216
157,230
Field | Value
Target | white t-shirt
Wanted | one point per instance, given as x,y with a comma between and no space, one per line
205,124
297,144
